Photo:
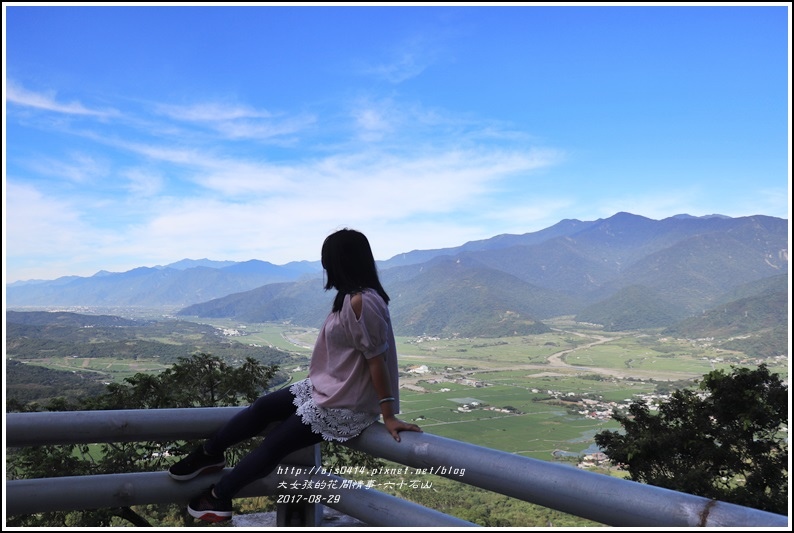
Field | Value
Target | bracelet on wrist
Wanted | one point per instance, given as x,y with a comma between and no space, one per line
384,400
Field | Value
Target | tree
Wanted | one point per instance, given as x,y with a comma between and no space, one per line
724,441
201,380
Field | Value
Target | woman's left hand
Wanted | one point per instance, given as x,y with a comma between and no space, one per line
395,426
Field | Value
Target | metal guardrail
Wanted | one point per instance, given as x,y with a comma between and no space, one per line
29,496
597,497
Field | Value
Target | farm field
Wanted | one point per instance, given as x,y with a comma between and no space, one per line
528,374
523,395
543,397
115,370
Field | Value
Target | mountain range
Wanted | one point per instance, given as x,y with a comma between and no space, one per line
624,272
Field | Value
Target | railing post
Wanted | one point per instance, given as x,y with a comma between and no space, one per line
302,513
597,497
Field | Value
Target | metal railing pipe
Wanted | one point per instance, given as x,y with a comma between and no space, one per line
124,425
69,493
598,497
29,496
376,508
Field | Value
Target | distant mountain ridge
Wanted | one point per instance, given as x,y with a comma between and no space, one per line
178,284
624,271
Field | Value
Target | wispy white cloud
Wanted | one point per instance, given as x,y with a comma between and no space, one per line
406,60
425,130
236,121
404,67
142,183
276,130
175,153
372,123
47,101
210,112
80,168
46,234
236,178
253,210
175,194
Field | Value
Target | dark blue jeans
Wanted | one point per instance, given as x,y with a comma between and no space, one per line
289,435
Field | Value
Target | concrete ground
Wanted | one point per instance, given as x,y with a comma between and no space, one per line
331,518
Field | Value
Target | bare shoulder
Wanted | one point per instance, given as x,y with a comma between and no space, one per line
357,303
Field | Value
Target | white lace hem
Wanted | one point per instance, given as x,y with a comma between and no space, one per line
332,423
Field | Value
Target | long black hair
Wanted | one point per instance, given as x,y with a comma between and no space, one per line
350,266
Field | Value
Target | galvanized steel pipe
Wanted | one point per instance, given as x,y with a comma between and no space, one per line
601,498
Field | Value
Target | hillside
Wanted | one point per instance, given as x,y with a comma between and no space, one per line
634,307
756,323
180,284
26,383
460,298
623,272
33,335
67,319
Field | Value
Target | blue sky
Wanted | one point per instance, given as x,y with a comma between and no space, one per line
140,136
